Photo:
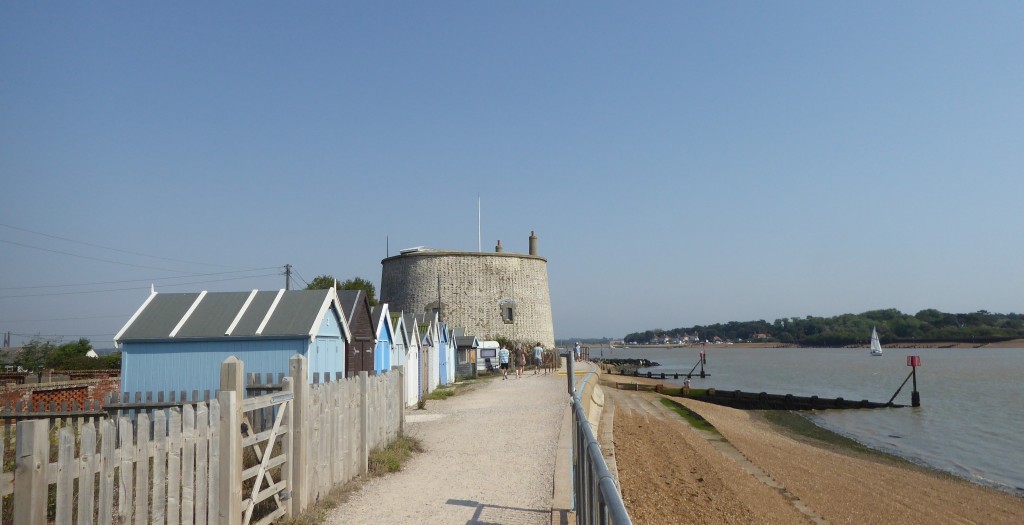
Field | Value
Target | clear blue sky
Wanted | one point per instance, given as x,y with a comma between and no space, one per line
682,163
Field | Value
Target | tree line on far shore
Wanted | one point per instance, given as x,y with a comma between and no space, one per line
851,329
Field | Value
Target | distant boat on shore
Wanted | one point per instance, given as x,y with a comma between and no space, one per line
876,346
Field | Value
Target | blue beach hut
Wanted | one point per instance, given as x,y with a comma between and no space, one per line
177,341
382,356
444,352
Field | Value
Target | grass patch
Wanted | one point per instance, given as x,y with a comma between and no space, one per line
441,393
690,416
391,457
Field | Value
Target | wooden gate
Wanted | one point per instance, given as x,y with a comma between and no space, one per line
266,445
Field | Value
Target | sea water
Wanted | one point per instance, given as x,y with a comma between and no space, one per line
970,422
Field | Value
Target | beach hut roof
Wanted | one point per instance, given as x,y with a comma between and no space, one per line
218,315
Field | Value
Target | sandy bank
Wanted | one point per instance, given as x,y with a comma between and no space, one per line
671,473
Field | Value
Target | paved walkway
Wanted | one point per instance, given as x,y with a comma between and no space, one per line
490,458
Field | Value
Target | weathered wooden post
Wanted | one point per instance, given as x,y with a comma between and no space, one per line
287,445
298,372
229,460
401,398
569,358
32,455
230,396
364,423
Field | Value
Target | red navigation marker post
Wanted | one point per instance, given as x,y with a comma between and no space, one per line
914,361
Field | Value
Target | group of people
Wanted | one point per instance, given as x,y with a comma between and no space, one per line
541,358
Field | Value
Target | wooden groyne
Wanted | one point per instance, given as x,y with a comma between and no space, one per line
761,400
766,401
758,400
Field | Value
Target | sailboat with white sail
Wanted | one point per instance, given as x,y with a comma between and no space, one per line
876,346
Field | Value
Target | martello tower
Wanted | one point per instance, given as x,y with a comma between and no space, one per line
490,294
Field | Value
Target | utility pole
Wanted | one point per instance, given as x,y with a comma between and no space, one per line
287,277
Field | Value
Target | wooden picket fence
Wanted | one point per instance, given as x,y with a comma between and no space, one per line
366,409
233,459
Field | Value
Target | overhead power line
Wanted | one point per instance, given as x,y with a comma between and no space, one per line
122,316
135,287
94,258
153,279
118,249
63,335
296,272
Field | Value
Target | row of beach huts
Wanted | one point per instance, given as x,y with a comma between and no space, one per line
175,342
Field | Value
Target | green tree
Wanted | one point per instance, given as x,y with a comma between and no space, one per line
358,283
322,282
34,354
110,361
72,356
65,354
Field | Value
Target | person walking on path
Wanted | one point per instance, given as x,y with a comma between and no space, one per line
503,362
538,352
520,361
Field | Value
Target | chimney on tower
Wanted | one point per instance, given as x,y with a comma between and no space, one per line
498,248
533,243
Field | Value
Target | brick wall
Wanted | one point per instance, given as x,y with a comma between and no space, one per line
72,391
60,395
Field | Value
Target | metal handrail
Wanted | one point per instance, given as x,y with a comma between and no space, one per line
597,497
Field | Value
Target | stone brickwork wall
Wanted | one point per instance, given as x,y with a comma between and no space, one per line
473,287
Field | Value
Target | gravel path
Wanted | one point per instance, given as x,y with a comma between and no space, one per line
489,458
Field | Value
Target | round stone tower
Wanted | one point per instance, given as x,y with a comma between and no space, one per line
490,294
